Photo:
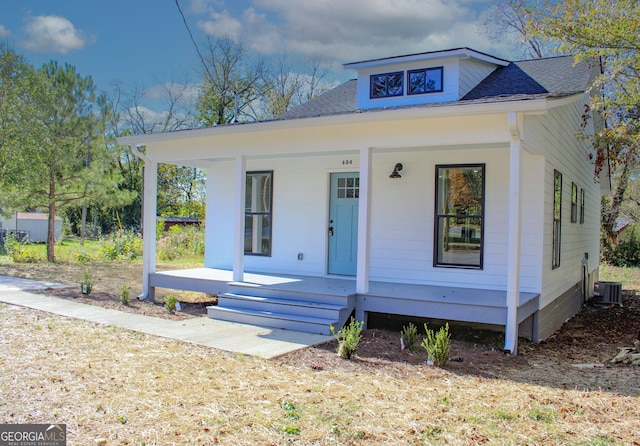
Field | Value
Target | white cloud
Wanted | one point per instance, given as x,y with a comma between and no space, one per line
204,6
53,34
350,30
221,24
187,92
4,32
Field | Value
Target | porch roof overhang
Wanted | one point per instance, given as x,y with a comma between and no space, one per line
370,128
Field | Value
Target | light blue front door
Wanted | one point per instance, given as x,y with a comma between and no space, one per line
343,223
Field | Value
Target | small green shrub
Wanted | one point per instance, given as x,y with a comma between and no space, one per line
348,338
121,245
542,414
86,283
292,415
26,254
125,292
10,243
170,302
290,429
437,344
83,257
290,410
20,252
626,253
409,336
181,241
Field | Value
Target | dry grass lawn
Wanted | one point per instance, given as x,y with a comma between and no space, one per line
134,389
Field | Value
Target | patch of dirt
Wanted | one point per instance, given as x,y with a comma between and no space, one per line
596,333
109,279
592,337
189,308
589,341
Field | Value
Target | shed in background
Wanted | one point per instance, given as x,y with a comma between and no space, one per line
178,221
29,225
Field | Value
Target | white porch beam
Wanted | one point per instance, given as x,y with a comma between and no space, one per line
238,231
513,235
364,205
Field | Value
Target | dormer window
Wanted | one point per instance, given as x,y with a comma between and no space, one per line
386,85
426,80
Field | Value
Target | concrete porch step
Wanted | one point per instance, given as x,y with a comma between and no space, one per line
272,319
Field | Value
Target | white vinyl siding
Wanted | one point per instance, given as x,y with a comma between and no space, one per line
472,72
565,152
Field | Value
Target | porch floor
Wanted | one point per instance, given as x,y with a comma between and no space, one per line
438,302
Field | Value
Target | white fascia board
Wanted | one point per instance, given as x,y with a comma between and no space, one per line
460,53
526,106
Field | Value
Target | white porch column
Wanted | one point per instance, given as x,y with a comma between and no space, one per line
513,236
149,214
364,204
238,231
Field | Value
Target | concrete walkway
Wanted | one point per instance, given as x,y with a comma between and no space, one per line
246,339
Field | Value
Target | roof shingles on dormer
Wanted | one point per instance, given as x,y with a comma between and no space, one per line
552,77
536,78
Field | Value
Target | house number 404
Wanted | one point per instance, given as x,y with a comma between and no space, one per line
347,162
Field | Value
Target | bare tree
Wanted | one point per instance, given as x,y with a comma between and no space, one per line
171,97
232,82
175,100
514,18
284,89
317,74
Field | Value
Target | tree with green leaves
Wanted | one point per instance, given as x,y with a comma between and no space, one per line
48,166
180,188
607,34
18,107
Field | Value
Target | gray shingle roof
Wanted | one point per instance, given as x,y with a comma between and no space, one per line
556,76
341,99
551,77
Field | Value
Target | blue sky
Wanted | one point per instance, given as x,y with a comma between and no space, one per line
145,41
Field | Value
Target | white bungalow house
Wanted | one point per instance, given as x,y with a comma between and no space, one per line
446,185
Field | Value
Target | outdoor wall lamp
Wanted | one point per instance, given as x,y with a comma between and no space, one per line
396,169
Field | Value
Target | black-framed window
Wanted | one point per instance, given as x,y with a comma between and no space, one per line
581,206
425,80
258,213
459,222
386,85
574,203
557,218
